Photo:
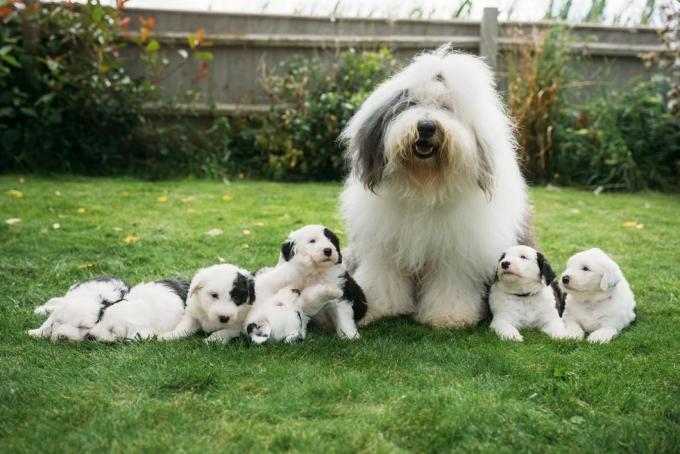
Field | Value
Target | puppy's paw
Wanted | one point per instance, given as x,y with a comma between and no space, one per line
349,336
516,337
600,337
36,333
330,291
215,340
42,310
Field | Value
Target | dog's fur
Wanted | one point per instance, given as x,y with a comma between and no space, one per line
311,257
72,315
219,299
284,316
148,310
428,214
522,295
599,300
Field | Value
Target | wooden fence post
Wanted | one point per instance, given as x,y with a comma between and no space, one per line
488,44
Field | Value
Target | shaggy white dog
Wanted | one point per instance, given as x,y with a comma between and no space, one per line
148,310
599,299
72,315
219,298
523,296
283,317
435,193
310,258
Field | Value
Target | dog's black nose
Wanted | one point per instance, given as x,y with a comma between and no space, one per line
565,279
250,328
426,128
224,319
90,337
505,265
328,252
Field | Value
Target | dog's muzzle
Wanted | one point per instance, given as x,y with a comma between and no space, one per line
425,147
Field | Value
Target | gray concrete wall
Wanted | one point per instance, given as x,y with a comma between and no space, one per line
243,45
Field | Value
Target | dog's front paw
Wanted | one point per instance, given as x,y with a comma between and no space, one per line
601,336
330,292
36,333
510,336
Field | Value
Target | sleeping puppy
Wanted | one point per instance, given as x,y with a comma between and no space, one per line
311,257
522,295
148,310
599,299
219,298
283,317
72,315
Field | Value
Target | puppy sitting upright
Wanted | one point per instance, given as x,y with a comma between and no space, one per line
522,295
599,299
311,257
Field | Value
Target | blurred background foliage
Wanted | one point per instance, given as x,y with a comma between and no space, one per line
67,105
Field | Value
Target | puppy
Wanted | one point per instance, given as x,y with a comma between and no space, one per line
148,310
522,295
311,257
599,299
72,315
284,316
219,298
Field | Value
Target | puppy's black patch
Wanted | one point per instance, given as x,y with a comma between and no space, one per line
352,292
560,297
439,77
296,291
288,249
242,289
502,256
546,271
179,286
105,305
333,238
250,328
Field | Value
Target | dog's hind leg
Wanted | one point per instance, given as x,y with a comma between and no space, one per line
45,330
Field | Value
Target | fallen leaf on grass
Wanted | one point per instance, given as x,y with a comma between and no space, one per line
227,198
88,266
246,246
125,193
214,232
131,239
81,210
12,221
633,225
56,226
246,232
191,210
22,180
221,259
162,199
117,229
259,224
57,193
14,193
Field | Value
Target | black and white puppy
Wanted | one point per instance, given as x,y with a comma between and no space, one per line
219,298
148,310
309,258
522,295
599,299
81,308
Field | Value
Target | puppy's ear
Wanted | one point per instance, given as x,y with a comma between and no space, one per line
545,270
368,145
288,250
251,289
241,288
195,286
611,277
485,170
333,238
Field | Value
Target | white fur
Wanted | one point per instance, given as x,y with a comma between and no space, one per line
72,315
209,299
599,301
426,246
512,312
315,273
150,309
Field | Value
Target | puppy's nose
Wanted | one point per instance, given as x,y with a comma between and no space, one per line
251,327
90,337
224,319
505,265
565,279
328,252
426,128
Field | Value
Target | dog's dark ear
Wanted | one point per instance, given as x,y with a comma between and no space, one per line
369,141
333,238
288,250
485,170
545,270
241,288
251,289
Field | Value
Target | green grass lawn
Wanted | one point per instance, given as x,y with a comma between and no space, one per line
402,387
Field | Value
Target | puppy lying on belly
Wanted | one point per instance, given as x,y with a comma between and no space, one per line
310,258
599,299
522,295
148,310
72,315
219,298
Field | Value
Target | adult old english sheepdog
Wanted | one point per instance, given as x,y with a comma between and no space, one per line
435,193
